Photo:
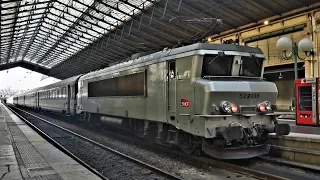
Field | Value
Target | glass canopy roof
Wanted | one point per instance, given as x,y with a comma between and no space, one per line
47,32
64,38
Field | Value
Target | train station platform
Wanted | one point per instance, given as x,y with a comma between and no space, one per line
24,154
300,129
301,147
287,115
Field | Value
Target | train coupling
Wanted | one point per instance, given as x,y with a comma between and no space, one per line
230,133
279,129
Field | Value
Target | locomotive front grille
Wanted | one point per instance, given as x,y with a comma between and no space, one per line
248,109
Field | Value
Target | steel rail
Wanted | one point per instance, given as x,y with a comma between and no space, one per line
56,144
237,168
134,160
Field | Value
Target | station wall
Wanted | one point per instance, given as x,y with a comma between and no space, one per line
285,94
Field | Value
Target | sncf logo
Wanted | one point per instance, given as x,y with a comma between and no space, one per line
185,103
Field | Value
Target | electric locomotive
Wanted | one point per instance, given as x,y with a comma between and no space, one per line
202,96
208,97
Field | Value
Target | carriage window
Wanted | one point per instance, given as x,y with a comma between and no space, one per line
64,93
251,66
217,65
61,93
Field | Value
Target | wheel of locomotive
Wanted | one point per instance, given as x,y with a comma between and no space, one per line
82,117
185,142
138,127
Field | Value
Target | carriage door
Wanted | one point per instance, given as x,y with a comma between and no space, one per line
172,93
37,99
74,98
68,98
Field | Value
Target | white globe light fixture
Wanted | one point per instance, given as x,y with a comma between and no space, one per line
305,44
284,43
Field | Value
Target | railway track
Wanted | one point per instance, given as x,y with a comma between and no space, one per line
243,169
60,136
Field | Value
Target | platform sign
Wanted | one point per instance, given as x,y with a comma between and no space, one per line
307,104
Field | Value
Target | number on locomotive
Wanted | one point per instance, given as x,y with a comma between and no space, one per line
249,95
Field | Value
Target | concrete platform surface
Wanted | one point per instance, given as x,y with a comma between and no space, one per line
24,154
300,137
287,115
300,129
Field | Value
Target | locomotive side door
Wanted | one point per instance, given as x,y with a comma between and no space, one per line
37,99
172,91
79,87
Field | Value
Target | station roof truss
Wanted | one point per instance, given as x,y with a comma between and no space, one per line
64,38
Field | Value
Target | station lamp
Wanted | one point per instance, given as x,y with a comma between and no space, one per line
305,45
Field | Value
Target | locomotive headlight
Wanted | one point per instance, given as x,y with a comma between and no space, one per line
262,107
234,108
226,107
229,107
268,105
265,106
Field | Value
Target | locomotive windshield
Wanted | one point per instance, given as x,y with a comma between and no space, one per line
251,66
216,65
221,65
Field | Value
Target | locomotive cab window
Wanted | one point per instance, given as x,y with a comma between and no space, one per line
251,66
217,65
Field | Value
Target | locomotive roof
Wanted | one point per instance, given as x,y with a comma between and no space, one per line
184,51
219,47
164,55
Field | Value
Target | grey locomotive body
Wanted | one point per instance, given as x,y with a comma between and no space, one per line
201,96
